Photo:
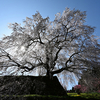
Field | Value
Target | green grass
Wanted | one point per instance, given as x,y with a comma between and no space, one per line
85,95
70,96
33,95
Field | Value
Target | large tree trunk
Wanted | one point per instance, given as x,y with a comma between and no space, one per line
49,74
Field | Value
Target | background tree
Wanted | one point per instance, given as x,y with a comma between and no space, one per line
65,45
91,79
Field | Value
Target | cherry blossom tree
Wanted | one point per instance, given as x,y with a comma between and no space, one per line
65,45
80,89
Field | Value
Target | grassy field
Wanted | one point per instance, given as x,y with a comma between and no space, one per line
71,96
85,95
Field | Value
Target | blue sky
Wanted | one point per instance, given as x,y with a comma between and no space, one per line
17,10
